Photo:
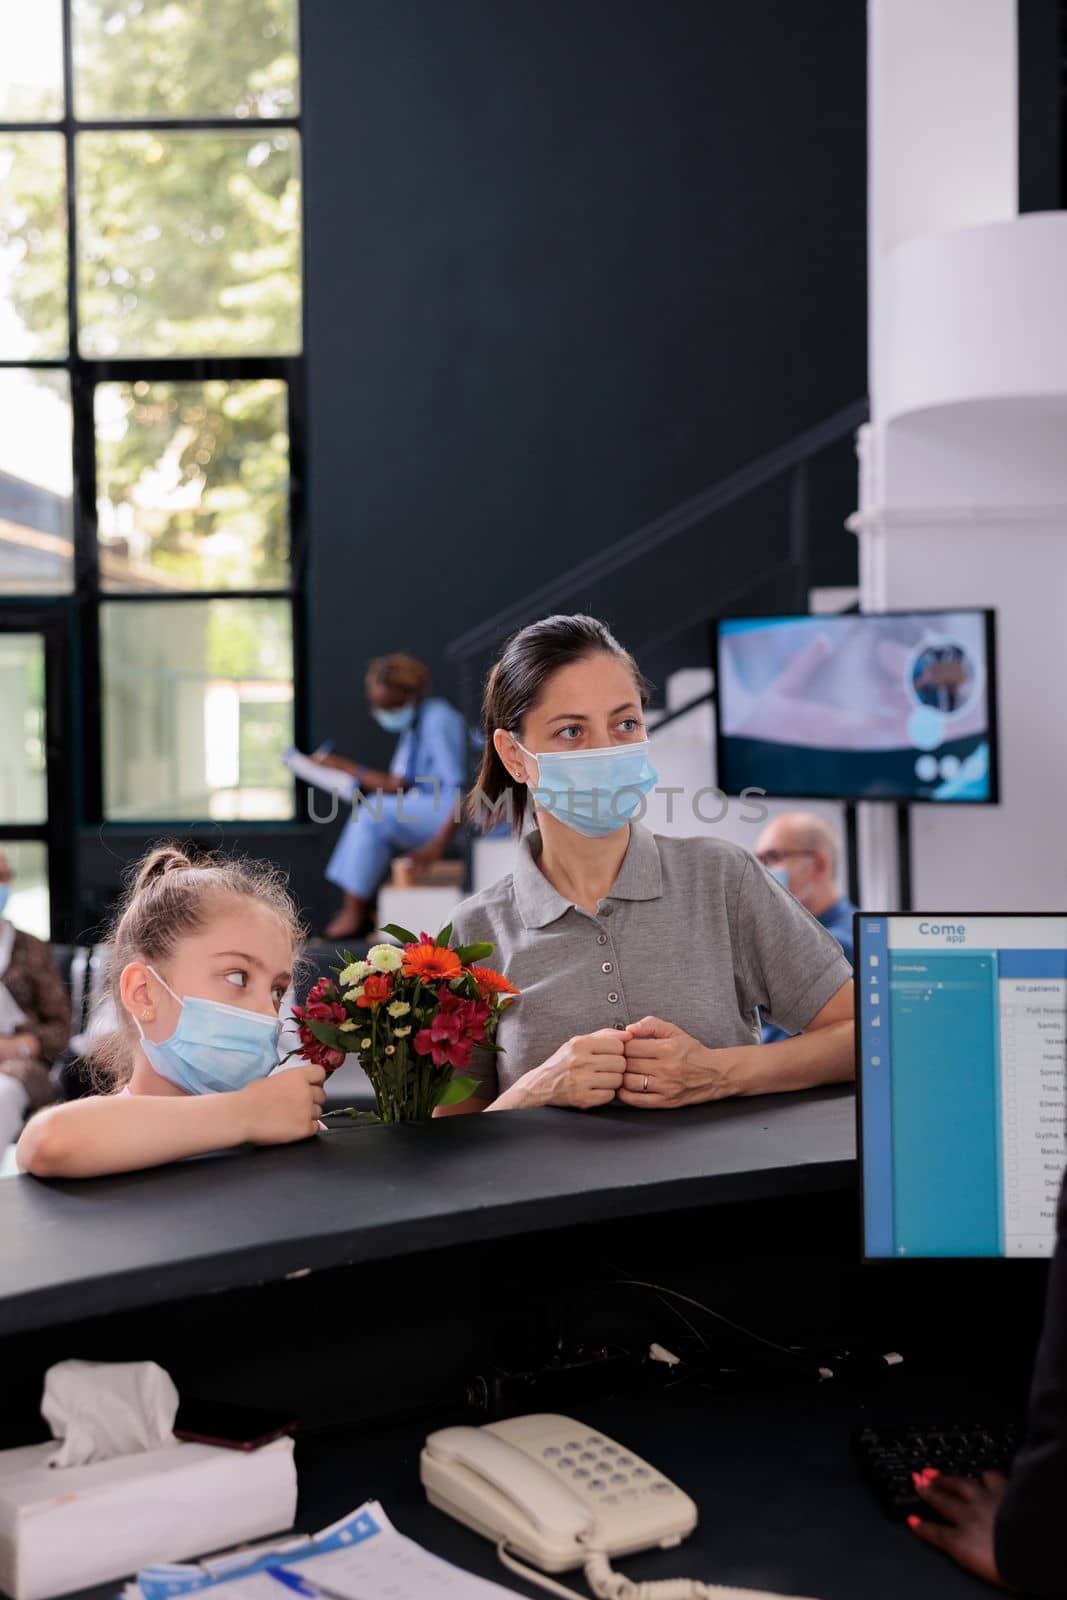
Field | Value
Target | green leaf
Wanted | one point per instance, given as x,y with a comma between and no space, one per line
327,1033
459,1089
404,935
444,936
469,953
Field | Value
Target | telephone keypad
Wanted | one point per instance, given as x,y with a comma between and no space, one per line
610,1474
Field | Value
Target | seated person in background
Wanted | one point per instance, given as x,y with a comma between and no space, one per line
412,810
642,960
1010,1531
201,958
801,851
34,1019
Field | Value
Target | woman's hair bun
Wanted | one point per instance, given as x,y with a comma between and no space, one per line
163,859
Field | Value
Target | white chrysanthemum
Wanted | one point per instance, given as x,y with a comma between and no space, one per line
364,1044
353,995
354,973
390,1049
399,1008
385,957
401,1033
347,1027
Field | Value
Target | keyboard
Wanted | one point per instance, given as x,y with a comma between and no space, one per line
887,1457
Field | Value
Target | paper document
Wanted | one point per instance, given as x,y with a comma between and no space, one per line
363,1557
313,772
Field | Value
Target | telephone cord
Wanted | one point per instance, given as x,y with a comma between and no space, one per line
607,1584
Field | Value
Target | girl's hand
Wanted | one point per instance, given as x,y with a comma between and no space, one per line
667,1067
969,1507
587,1071
20,1044
284,1107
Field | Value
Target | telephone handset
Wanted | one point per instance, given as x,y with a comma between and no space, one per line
553,1490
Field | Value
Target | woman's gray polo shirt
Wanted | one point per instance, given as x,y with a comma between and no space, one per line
692,930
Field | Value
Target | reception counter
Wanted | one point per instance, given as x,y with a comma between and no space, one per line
363,1193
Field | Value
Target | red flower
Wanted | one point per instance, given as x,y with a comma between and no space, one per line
450,1052
456,1028
376,988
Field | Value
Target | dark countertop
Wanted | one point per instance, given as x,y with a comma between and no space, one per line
781,1505
367,1193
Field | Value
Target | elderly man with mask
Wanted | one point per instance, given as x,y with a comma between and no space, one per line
801,851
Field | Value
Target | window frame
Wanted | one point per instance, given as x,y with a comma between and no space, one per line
82,604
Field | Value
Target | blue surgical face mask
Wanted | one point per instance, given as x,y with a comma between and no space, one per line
595,792
214,1048
5,896
780,875
395,720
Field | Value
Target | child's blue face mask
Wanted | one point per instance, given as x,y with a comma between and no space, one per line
5,895
595,792
215,1048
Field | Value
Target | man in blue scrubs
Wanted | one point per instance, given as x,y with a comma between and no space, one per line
801,851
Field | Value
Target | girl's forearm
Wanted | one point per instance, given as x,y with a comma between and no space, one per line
122,1133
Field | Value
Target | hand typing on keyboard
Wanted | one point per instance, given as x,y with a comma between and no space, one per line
968,1508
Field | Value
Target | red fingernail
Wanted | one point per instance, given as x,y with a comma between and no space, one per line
931,1474
918,1479
913,1522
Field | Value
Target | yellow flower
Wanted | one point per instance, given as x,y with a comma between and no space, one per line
353,973
401,1033
399,1008
364,1044
385,957
390,1049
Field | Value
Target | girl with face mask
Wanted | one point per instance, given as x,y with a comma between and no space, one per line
643,960
202,953
412,809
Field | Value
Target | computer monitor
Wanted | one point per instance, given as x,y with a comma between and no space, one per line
961,1066
895,705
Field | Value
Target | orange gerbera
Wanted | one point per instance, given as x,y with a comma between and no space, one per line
490,982
430,962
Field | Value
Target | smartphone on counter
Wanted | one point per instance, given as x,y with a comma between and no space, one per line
234,1427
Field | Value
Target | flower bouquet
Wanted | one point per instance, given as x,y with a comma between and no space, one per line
412,1014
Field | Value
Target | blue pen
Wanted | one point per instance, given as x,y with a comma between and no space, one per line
293,1580
325,748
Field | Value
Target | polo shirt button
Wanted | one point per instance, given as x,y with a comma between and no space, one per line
607,911
613,997
618,1025
601,938
606,967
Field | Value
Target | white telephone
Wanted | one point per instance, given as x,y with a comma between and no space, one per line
561,1495
552,1489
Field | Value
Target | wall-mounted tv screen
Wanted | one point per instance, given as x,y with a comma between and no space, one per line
894,705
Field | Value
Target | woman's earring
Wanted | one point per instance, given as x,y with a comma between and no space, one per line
146,1016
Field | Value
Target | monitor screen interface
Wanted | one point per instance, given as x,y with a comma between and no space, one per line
897,706
962,1062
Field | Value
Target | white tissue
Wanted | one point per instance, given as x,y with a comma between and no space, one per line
101,1409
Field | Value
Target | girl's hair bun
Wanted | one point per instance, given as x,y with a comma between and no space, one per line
158,862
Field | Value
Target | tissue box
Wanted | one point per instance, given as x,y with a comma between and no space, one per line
68,1528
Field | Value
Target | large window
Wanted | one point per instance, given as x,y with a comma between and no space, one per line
151,391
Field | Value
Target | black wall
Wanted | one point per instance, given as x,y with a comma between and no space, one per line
568,262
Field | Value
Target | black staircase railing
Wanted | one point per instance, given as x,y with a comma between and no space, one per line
468,650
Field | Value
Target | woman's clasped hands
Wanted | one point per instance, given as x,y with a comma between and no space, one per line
650,1064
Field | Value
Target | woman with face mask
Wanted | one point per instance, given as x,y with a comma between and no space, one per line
34,1018
412,809
643,960
202,956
